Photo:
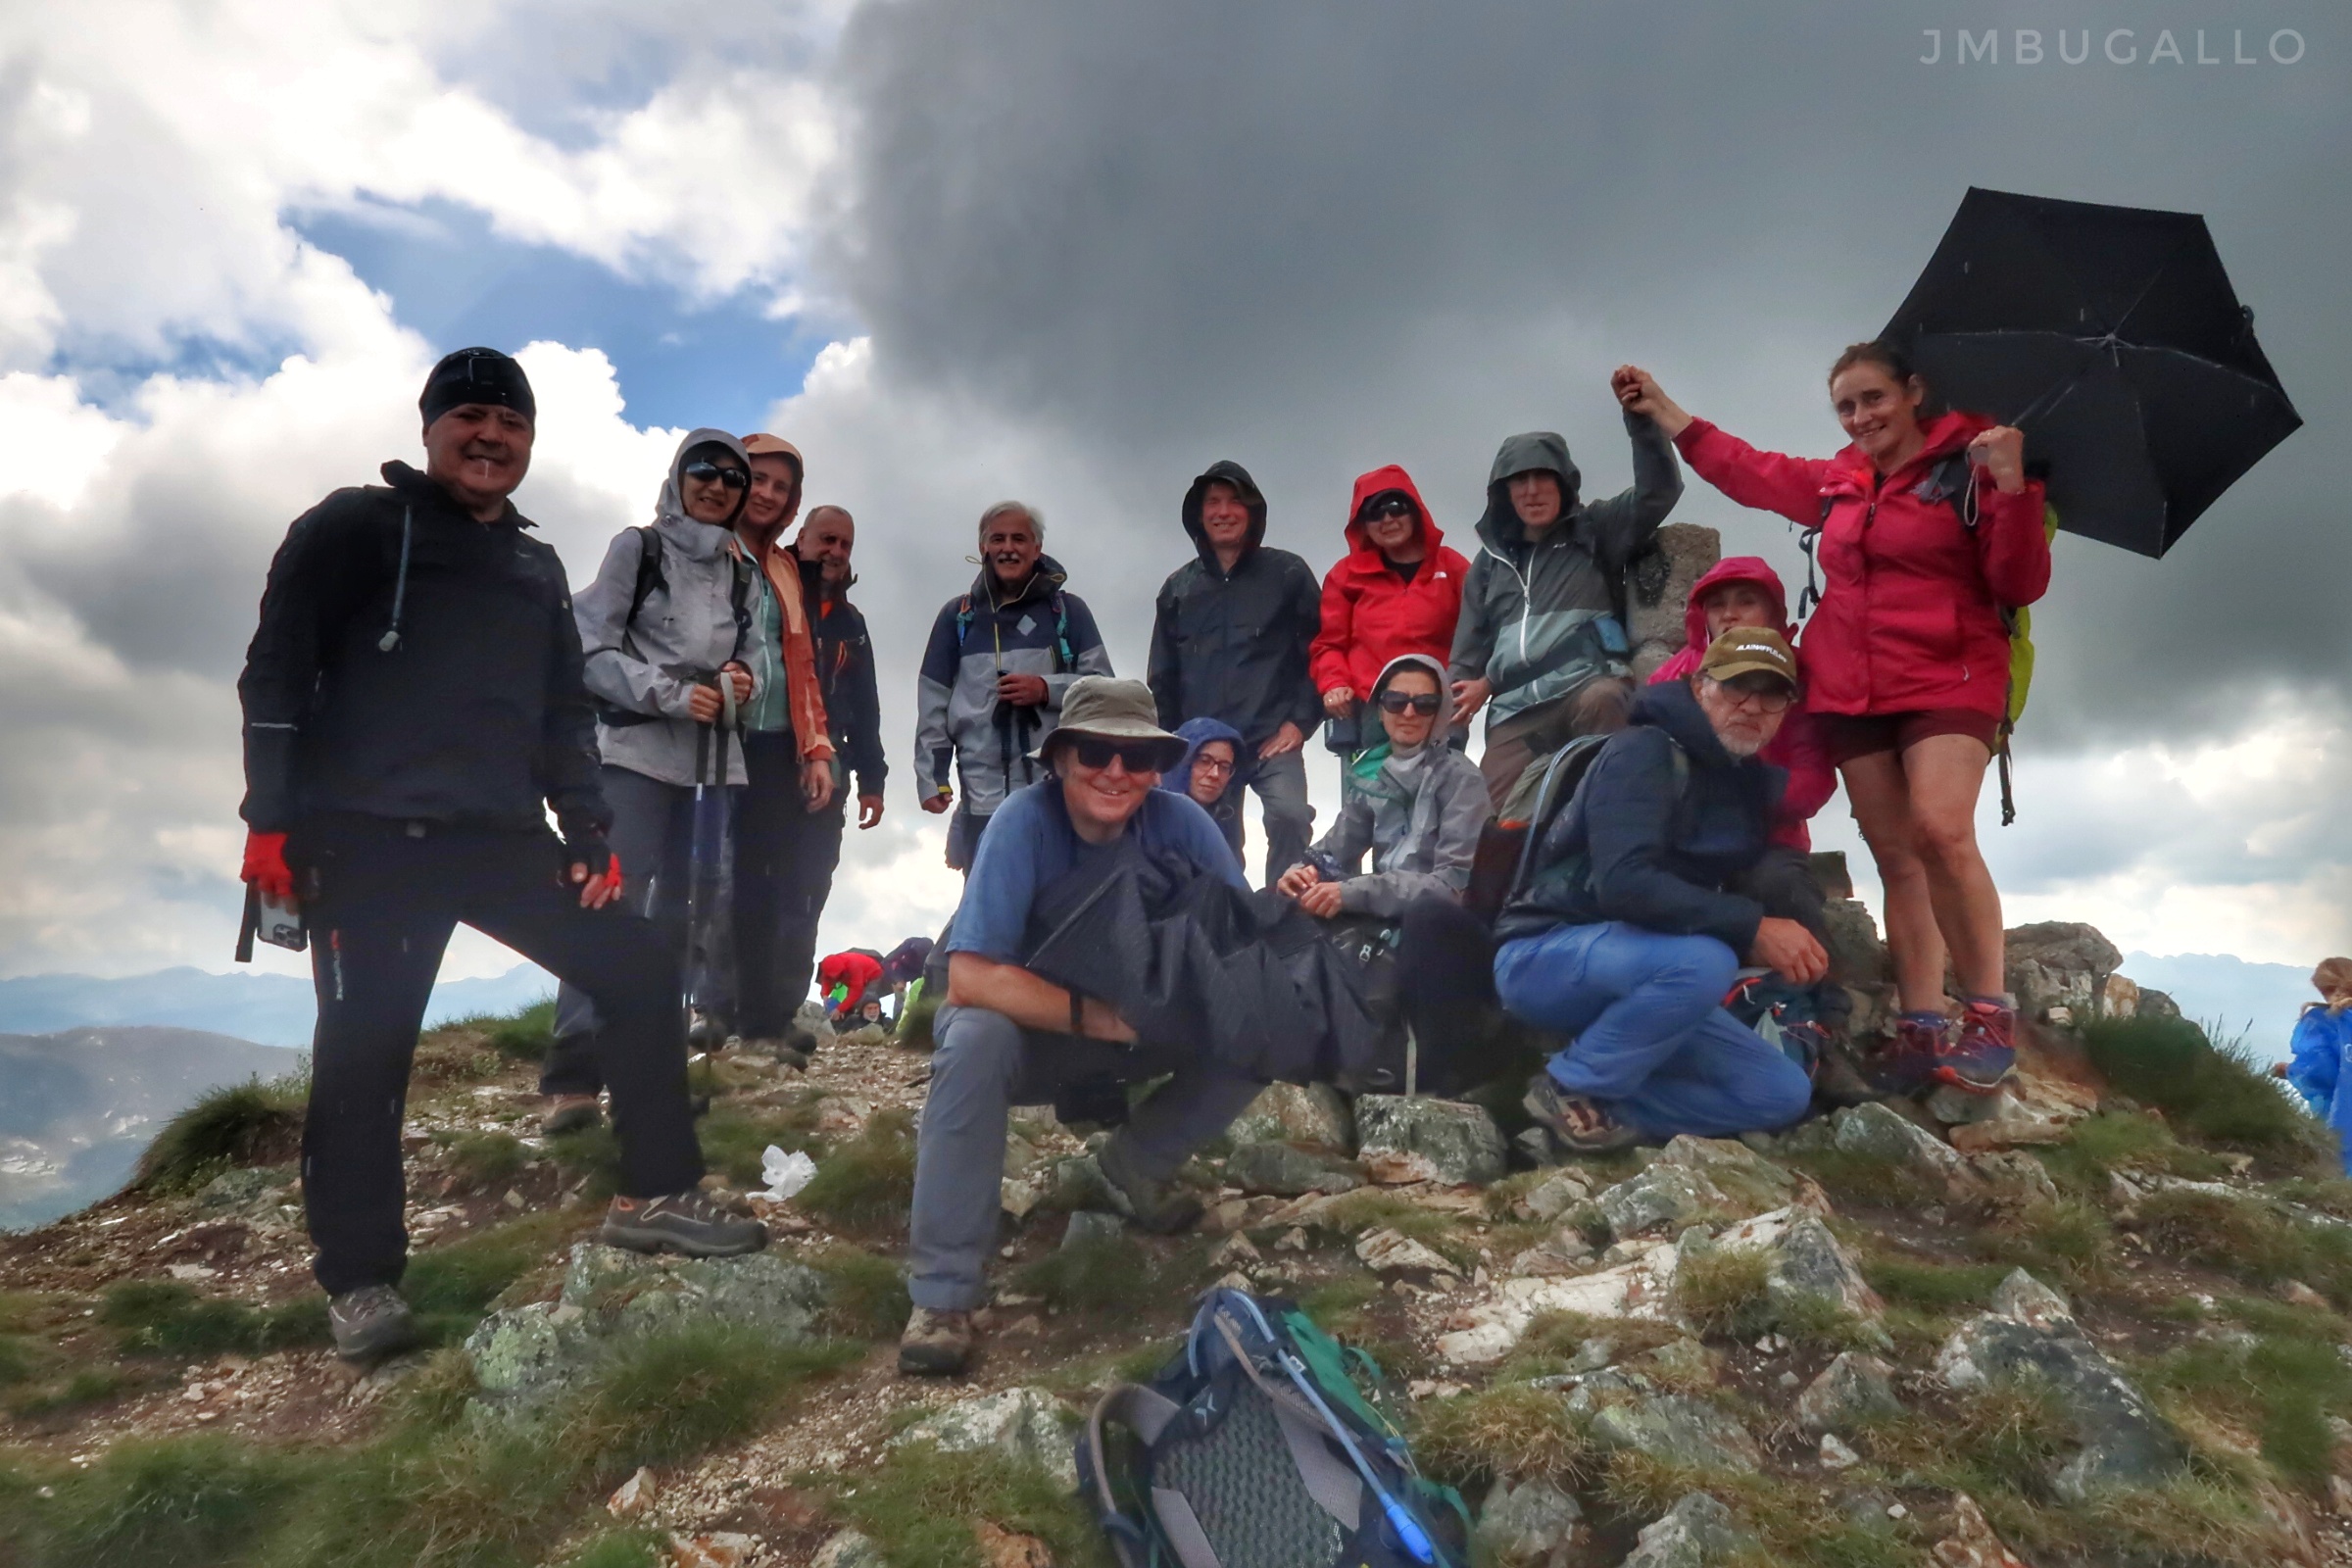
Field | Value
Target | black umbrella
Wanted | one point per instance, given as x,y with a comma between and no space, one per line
2112,337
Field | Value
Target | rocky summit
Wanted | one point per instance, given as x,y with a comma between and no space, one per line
2103,1317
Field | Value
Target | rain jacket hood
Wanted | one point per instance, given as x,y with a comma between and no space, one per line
1418,815
1535,451
1370,615
1800,746
1379,481
1539,616
669,509
1224,471
1196,733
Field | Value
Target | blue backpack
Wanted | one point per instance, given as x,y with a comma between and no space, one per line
1257,1448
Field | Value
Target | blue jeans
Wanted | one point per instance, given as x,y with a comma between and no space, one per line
1651,1042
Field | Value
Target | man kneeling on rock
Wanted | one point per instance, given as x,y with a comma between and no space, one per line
1010,1037
1635,918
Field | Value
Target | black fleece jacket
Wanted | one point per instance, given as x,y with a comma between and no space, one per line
477,714
1640,845
845,674
1232,645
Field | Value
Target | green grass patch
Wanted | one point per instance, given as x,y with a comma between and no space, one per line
2249,1238
162,1317
191,1501
1112,1275
91,1385
1509,1431
1792,1527
621,1549
869,1296
251,1123
2001,1439
919,1506
2281,1387
867,1184
480,1161
735,1139
2205,1093
1929,1286
2124,1140
591,1155
1864,1180
526,1036
1720,1292
1339,1306
1550,1343
2070,1240
450,1286
1368,1209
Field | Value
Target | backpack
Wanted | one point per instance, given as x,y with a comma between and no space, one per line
1953,481
1064,660
1506,845
649,577
1256,1446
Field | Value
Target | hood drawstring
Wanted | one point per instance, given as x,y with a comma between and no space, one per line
390,640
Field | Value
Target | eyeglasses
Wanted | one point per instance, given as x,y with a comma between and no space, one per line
1423,703
1092,751
1765,694
703,469
1211,764
1382,507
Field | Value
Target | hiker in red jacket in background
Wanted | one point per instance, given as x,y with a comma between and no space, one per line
1929,530
1397,591
855,972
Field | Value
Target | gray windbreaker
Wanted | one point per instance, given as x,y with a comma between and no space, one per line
683,633
1538,621
1418,816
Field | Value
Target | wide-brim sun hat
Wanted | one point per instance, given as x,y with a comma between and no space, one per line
1112,709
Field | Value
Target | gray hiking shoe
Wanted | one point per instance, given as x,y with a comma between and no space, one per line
691,1222
370,1323
569,1113
1577,1124
935,1344
1160,1207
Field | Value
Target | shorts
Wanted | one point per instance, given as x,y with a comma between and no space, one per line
1852,735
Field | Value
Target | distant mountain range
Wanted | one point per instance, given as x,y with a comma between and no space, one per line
273,1009
2230,996
76,1108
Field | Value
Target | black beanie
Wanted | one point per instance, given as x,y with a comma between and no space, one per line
477,375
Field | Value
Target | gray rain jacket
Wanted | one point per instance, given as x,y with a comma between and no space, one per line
1418,816
1539,620
693,619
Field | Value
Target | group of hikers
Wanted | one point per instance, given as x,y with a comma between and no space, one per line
1618,889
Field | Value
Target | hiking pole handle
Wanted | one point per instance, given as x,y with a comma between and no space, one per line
250,924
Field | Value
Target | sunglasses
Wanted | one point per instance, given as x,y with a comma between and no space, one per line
1382,508
703,469
1092,751
1425,704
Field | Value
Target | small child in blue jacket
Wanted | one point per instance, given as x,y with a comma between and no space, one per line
2322,1036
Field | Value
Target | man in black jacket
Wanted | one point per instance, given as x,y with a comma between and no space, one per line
1636,921
797,853
413,706
1230,640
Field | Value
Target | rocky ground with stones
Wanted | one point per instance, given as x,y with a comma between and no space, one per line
2099,1318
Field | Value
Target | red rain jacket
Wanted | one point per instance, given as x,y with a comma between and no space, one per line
1369,614
1799,747
1910,619
855,971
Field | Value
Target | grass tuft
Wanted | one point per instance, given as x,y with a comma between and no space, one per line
526,1036
1551,1341
478,1162
735,1140
920,1504
2205,1093
2070,1240
450,1286
162,1317
188,1501
868,1183
1111,1275
867,1298
1510,1431
251,1123
2250,1239
1721,1293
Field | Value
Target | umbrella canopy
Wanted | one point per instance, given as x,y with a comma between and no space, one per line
2112,337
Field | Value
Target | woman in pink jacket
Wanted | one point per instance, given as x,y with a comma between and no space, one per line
1928,530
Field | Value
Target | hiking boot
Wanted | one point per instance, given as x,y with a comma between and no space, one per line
691,1222
1906,1064
1161,1205
1983,1056
935,1344
1577,1124
570,1113
370,1323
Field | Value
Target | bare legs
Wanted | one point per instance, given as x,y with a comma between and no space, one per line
1917,810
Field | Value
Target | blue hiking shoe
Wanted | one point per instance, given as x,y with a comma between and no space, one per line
1981,1055
1906,1064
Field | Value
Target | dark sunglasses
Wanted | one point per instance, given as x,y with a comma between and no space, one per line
1425,703
1092,751
1381,507
705,470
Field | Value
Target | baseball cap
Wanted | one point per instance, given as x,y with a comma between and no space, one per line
1748,651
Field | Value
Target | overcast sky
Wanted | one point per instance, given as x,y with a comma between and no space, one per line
1073,253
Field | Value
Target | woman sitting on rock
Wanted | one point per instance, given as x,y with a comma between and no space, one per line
1928,530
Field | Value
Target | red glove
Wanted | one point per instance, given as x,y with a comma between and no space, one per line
266,864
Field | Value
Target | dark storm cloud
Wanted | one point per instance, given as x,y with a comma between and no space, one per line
1346,231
